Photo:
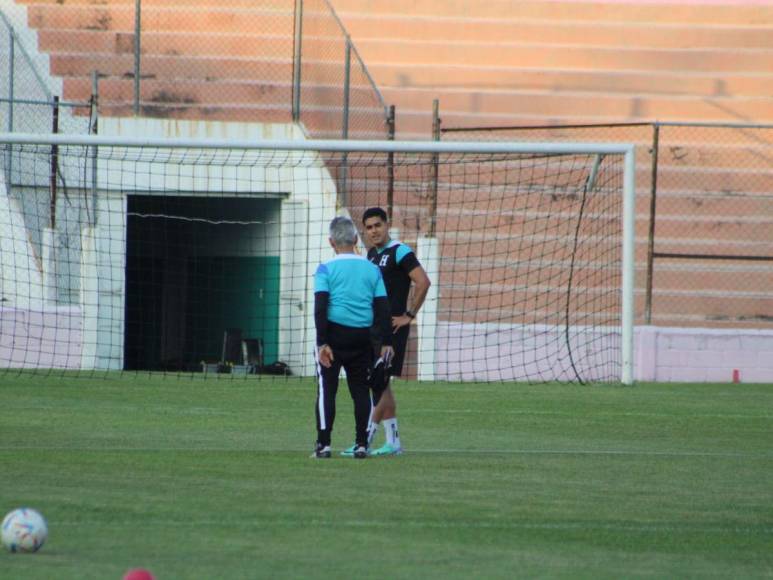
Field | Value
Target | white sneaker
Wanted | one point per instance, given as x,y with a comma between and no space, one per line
322,452
388,449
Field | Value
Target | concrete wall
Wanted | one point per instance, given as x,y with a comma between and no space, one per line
491,352
308,203
47,337
534,353
703,355
88,335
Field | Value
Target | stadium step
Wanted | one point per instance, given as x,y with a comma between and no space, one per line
182,4
706,231
224,94
268,114
172,18
417,123
673,276
599,53
520,54
724,14
671,307
429,75
402,27
187,44
545,102
501,62
407,28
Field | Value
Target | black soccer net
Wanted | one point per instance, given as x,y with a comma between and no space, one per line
200,259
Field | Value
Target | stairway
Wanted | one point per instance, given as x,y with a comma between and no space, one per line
512,62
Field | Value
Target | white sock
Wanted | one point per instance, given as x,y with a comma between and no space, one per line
390,429
372,430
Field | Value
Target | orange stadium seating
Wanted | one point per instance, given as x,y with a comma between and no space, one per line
494,62
489,63
545,62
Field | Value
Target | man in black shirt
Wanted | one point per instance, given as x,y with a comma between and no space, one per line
400,269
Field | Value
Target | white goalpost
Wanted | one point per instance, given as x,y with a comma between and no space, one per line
126,253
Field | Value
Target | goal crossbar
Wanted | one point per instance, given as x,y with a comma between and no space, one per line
342,146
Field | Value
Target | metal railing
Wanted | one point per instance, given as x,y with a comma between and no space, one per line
334,95
27,103
267,61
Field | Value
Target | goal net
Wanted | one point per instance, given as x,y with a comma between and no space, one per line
198,255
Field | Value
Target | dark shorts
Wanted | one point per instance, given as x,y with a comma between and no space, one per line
399,343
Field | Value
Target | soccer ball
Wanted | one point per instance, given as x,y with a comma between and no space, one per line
24,530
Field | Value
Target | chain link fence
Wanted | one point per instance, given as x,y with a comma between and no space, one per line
29,100
337,98
704,219
236,60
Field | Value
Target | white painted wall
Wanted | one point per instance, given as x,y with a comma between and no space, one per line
103,285
34,331
508,352
49,337
21,275
298,234
306,216
470,352
703,355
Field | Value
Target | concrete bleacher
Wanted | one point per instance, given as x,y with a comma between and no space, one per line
500,62
241,72
508,62
545,62
493,63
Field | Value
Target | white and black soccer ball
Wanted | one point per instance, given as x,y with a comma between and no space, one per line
24,530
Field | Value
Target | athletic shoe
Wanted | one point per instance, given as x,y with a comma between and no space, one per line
360,452
322,452
387,449
349,452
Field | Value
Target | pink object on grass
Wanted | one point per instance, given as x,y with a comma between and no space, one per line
138,574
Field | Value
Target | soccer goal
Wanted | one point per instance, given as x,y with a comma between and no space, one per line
190,255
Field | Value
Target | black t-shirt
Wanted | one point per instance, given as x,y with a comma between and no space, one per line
395,260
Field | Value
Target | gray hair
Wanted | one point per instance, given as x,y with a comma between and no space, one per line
342,231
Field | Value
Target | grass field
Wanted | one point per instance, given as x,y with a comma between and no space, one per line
202,479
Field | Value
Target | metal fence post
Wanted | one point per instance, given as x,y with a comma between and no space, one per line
347,87
651,234
11,74
94,103
9,122
435,168
345,119
93,129
297,44
137,53
54,163
391,164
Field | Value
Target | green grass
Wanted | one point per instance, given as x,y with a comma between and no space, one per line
203,479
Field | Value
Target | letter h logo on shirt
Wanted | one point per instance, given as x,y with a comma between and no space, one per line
384,260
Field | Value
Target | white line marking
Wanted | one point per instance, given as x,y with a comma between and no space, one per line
412,451
478,524
575,415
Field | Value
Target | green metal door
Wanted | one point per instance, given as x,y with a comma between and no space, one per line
234,292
